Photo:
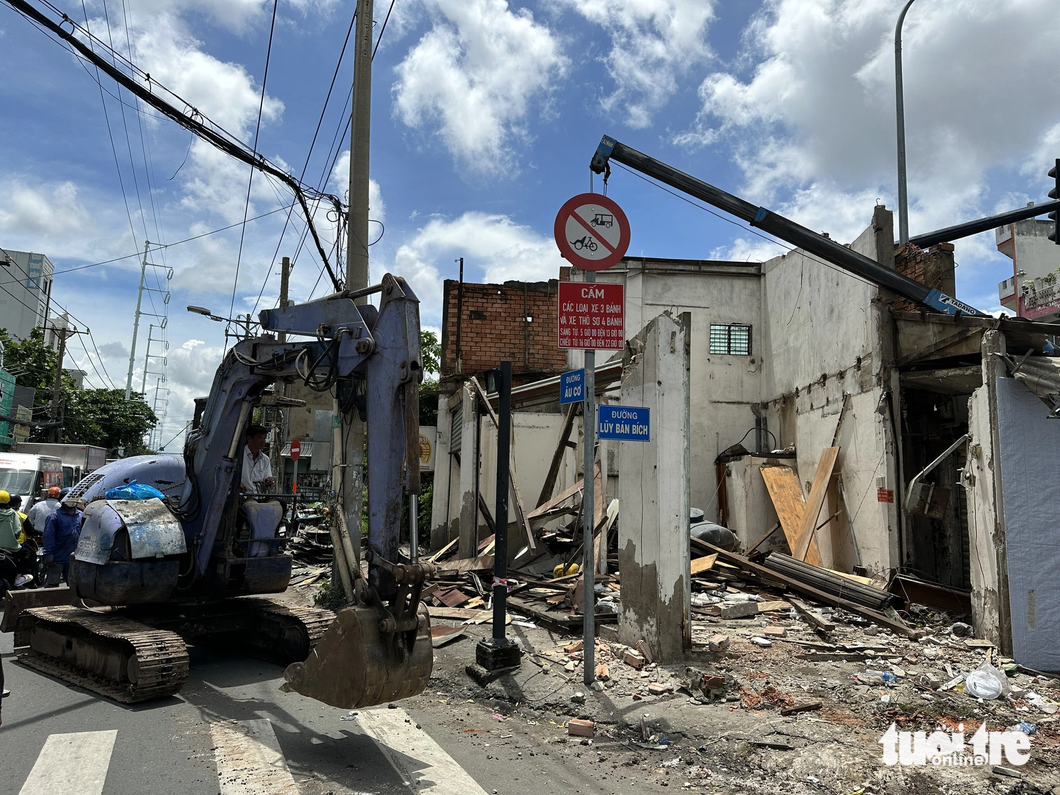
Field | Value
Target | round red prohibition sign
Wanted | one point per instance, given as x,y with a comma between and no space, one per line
592,232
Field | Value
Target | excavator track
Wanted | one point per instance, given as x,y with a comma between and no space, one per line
106,653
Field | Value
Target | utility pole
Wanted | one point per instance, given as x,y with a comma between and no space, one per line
352,488
277,427
57,383
140,313
136,323
899,106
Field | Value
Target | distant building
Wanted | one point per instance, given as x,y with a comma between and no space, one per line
7,405
1031,291
25,291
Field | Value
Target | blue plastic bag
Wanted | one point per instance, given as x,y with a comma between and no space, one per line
133,491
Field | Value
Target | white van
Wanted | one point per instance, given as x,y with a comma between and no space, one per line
29,475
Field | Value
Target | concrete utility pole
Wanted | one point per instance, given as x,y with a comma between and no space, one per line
277,426
357,243
57,383
899,105
136,323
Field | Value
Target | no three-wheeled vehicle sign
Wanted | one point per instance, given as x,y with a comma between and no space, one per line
592,232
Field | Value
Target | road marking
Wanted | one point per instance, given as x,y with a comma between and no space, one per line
416,757
71,764
249,759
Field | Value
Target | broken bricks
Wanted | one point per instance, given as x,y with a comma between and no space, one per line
576,727
634,659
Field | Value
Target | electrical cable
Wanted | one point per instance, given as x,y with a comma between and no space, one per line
257,130
207,130
158,246
382,30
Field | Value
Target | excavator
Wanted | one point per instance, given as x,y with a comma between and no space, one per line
149,576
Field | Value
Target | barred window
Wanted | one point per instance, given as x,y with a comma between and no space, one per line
731,338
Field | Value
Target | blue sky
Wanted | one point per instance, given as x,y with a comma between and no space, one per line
485,115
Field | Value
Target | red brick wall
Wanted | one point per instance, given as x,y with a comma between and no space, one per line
494,327
933,267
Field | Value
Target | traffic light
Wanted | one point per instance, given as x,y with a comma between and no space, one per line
1054,172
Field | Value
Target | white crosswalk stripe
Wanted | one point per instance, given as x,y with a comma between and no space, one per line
249,759
71,764
417,758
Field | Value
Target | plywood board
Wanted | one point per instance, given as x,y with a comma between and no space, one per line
806,547
782,483
699,565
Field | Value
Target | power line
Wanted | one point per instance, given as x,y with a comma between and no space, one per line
159,246
250,182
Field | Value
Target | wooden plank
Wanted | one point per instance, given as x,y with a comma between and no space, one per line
705,563
520,509
806,546
566,494
782,483
487,517
443,551
557,457
792,584
815,620
483,563
599,531
455,613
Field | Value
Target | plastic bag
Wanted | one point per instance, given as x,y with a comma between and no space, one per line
986,682
133,491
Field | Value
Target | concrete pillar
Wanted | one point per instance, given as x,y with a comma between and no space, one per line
443,466
654,495
468,468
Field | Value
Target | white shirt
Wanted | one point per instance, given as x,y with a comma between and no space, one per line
40,511
255,469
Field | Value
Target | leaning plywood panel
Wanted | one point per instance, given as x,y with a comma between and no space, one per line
786,493
814,503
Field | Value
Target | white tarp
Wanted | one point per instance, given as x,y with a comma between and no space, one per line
1030,443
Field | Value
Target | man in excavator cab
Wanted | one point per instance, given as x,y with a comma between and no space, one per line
257,471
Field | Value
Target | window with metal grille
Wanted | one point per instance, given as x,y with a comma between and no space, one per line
730,338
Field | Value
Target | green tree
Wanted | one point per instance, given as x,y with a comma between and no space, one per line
431,353
90,416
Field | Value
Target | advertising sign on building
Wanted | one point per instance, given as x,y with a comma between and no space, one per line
428,443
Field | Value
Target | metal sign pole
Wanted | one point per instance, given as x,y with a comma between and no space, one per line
588,511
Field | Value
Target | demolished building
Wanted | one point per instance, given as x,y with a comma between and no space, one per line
806,386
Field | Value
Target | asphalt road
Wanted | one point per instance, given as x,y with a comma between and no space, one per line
232,731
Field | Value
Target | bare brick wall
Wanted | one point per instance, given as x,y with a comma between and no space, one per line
514,321
933,267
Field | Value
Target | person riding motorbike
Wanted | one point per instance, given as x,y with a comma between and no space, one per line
41,510
16,560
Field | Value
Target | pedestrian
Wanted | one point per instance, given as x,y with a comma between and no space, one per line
3,693
61,532
41,510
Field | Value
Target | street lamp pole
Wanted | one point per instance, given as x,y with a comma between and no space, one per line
899,102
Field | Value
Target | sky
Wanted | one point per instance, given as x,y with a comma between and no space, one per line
485,114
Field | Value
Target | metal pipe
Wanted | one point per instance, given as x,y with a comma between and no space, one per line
360,293
899,105
969,228
927,470
500,514
588,512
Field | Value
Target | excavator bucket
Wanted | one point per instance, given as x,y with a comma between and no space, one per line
355,665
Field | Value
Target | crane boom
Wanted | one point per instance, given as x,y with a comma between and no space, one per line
779,226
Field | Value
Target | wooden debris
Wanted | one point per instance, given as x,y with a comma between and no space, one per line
806,546
483,563
812,618
811,707
705,563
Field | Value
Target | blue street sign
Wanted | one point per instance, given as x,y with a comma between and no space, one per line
625,423
572,387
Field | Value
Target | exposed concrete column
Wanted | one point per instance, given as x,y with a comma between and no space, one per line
443,467
654,494
468,469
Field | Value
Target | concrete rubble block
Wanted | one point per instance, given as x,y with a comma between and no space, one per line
577,727
761,643
774,632
738,610
634,659
659,689
718,643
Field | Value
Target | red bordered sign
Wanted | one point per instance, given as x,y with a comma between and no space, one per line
592,316
592,232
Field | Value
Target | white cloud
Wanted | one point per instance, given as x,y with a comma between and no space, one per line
653,42
474,76
494,244
47,210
